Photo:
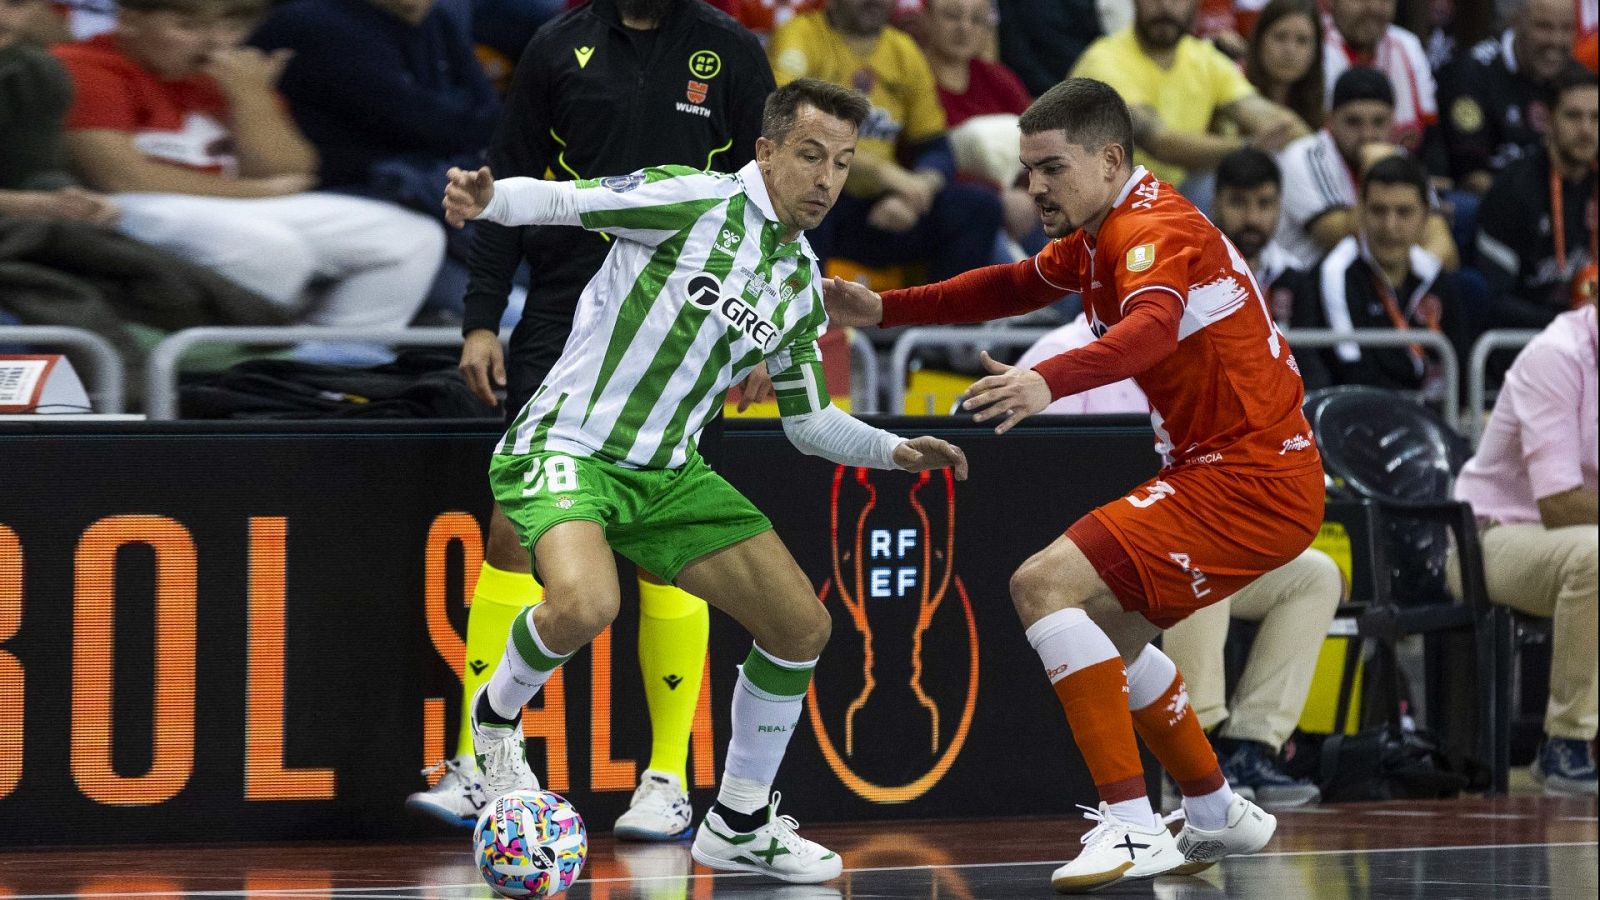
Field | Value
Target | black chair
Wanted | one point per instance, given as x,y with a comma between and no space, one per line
1381,447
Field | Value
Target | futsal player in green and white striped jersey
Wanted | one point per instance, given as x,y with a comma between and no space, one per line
709,276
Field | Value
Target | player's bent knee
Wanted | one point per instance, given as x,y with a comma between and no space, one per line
800,637
1038,588
579,613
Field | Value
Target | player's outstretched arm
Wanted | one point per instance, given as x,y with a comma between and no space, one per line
1008,393
837,436
509,201
850,303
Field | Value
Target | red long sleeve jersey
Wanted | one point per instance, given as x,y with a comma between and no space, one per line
1174,306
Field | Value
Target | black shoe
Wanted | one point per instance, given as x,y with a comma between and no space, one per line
1249,765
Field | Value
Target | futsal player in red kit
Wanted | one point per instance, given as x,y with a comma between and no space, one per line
1174,307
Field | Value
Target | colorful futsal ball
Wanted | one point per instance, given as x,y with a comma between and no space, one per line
530,844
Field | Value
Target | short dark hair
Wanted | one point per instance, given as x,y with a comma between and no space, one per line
1091,113
783,106
1572,78
1247,168
1397,169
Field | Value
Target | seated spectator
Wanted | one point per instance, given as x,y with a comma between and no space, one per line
1533,485
59,262
391,95
1497,98
1380,277
1041,42
35,94
1249,195
374,84
982,101
1536,239
1179,89
1363,33
183,126
889,215
1320,172
1284,61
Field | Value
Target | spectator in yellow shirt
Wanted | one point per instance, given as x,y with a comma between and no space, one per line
1191,105
889,214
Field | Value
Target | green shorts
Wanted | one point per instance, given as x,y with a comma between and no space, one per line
662,519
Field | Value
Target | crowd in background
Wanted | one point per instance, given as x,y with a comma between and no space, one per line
297,148
1420,166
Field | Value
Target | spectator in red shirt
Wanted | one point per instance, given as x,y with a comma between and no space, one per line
981,101
184,127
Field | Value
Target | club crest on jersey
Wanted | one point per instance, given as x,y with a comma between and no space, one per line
705,291
1141,257
621,184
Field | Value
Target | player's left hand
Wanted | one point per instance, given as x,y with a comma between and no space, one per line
1009,394
757,387
924,453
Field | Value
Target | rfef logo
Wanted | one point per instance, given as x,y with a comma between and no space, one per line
891,725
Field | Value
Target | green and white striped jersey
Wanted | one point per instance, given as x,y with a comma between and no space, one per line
697,292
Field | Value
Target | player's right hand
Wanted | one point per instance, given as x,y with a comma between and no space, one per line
924,453
483,365
467,194
850,303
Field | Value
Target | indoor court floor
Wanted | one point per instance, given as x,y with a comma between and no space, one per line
1506,849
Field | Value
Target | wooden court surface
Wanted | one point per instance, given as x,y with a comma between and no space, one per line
1518,847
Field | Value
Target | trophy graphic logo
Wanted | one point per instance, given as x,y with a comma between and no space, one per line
892,705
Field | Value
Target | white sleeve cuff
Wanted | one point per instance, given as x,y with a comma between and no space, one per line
839,437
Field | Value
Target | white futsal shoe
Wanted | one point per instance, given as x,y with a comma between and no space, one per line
774,849
660,810
502,756
1249,828
1115,850
457,798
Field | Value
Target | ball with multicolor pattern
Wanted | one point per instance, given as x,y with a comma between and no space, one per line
530,844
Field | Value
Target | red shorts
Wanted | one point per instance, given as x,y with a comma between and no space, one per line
1193,536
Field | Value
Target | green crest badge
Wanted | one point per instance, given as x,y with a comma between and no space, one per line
705,64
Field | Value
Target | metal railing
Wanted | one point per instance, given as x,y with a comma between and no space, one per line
1307,338
161,383
109,382
1478,373
1388,338
863,395
948,336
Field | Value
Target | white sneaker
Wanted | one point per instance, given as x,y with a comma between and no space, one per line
502,756
457,798
1249,829
773,849
660,810
1114,850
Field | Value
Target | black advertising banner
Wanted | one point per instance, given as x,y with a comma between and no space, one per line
245,632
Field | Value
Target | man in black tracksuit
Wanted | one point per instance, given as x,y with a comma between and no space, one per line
592,97
606,89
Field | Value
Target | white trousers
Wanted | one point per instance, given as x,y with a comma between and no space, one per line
346,261
1295,604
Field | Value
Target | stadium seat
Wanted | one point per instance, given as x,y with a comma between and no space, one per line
1403,457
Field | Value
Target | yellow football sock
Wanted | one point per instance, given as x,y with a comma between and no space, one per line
674,627
496,601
